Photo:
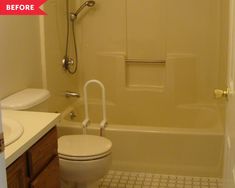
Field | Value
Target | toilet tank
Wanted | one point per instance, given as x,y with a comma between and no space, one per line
30,99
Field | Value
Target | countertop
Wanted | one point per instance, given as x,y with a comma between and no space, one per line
36,125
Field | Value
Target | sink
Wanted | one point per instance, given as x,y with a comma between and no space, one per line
12,130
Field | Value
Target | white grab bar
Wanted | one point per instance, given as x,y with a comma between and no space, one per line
87,119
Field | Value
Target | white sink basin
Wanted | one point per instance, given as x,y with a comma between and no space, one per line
12,130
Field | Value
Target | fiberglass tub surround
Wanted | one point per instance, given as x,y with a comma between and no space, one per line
160,63
154,55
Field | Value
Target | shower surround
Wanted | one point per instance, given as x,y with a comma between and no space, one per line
160,62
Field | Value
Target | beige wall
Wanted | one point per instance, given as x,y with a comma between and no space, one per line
21,62
19,54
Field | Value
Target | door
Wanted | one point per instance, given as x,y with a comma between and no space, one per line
3,182
229,167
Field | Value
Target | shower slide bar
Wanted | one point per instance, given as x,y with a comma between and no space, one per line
145,61
104,122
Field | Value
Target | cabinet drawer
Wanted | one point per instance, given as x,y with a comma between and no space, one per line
40,154
49,177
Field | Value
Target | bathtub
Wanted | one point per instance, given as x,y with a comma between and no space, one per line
159,149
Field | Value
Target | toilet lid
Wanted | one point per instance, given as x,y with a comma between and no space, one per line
83,146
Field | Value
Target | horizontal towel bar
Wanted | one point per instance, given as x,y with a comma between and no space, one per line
145,61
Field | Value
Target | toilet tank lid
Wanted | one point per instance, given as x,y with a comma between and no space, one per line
25,99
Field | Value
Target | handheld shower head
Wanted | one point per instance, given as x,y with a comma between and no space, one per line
89,3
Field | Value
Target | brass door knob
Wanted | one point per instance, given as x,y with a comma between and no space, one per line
221,93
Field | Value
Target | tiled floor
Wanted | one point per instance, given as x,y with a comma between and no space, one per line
123,179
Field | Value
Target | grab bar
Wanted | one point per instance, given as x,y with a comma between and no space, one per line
87,119
145,61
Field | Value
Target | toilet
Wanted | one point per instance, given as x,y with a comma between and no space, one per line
84,159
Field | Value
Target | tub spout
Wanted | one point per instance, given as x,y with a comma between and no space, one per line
71,94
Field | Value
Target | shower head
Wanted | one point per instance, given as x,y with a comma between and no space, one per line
89,3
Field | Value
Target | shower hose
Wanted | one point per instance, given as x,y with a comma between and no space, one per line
70,66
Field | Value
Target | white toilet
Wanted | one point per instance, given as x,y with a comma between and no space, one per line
84,159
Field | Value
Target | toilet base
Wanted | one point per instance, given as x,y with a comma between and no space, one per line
92,185
66,184
82,174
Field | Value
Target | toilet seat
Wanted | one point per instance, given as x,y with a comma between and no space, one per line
83,147
88,158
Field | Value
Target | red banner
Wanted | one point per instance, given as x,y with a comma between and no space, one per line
21,7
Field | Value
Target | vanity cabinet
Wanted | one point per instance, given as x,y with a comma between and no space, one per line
38,167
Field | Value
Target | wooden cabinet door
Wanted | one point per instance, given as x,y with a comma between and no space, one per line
49,177
41,153
17,174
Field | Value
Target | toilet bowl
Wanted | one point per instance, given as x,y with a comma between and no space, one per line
84,159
